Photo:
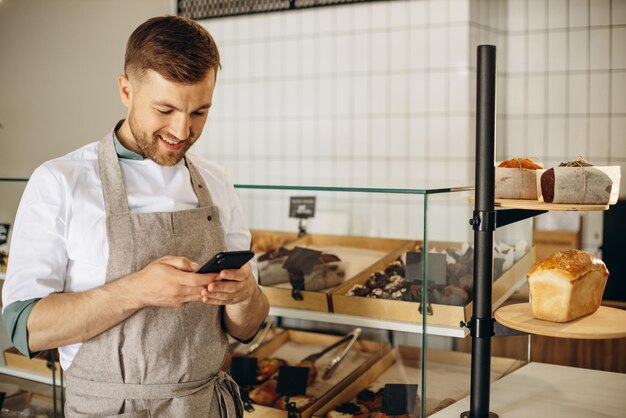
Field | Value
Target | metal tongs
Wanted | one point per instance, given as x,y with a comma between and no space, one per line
262,336
332,366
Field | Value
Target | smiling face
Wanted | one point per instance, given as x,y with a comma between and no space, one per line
165,117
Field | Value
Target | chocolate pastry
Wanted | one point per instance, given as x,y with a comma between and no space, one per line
395,268
377,280
370,398
349,410
358,290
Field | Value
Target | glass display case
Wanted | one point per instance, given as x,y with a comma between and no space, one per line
369,274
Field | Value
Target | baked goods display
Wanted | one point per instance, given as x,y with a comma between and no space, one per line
567,285
368,403
457,290
516,179
576,182
316,352
329,270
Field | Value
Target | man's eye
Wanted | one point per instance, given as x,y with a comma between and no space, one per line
164,112
199,113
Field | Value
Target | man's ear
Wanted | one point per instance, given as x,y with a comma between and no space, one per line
125,89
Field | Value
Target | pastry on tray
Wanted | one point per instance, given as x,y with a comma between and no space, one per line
576,182
267,367
371,397
516,179
567,285
265,393
349,410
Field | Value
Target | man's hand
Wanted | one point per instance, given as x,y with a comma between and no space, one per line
245,306
230,287
169,282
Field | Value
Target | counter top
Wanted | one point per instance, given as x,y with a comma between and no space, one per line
542,390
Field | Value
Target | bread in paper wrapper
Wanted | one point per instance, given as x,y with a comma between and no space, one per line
567,285
329,271
516,179
576,185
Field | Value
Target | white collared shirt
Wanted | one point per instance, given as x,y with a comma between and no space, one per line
59,241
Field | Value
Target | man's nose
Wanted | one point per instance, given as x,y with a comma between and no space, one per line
180,126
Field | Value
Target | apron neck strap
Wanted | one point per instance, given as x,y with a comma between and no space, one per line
113,188
199,185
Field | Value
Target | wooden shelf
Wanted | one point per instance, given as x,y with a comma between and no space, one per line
604,323
537,205
28,375
361,321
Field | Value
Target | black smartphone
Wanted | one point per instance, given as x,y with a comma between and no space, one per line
227,260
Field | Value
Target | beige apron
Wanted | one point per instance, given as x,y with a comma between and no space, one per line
160,362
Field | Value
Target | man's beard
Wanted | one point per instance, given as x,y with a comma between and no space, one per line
149,145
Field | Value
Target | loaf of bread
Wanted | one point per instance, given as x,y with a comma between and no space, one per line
516,179
566,286
576,185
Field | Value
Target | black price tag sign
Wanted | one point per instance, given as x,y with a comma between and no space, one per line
292,380
302,260
435,269
399,399
243,370
4,233
302,207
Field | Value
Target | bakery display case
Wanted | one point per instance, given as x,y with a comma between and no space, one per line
413,308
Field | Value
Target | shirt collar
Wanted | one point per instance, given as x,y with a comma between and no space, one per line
124,152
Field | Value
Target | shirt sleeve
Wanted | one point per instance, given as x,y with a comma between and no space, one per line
38,256
15,318
237,233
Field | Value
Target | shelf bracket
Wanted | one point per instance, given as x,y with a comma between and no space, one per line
504,331
483,220
480,327
509,216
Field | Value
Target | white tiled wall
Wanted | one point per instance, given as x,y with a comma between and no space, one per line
382,94
565,86
371,95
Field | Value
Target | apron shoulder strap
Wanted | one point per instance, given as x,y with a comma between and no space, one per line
199,185
113,188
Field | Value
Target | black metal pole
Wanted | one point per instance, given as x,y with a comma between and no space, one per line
484,224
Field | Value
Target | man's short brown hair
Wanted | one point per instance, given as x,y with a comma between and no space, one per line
177,48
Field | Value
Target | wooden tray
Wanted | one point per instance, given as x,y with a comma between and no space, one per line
604,323
280,296
316,341
445,315
448,375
